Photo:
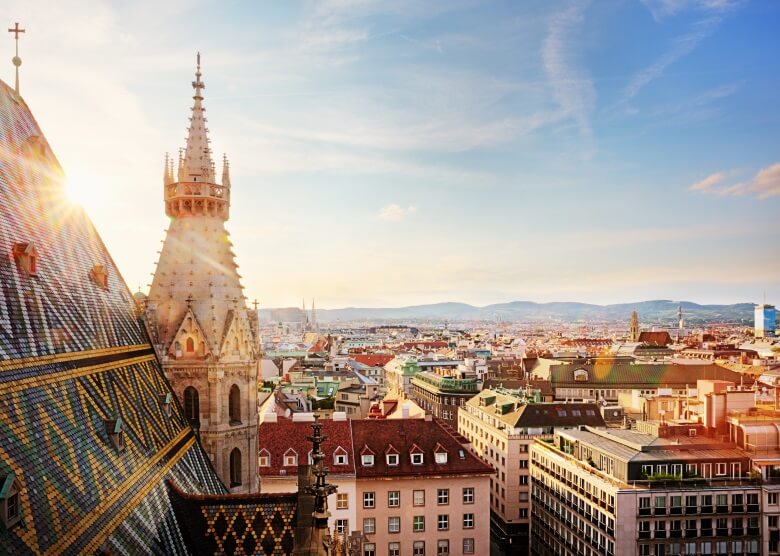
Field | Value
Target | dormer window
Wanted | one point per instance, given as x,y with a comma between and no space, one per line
264,458
367,460
165,403
417,458
439,454
10,508
115,434
340,456
392,459
290,458
26,258
99,276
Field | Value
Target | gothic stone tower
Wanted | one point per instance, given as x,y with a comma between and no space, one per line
203,332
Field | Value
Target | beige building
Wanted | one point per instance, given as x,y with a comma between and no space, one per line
616,492
200,326
501,425
419,490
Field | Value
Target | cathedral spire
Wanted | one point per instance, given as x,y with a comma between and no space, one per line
197,155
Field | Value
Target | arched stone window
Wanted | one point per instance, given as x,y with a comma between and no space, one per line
192,406
234,405
235,467
190,345
202,349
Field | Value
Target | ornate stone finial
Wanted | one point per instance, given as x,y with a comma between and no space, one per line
225,171
16,60
189,301
167,177
255,303
321,489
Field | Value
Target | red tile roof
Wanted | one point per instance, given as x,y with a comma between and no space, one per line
373,359
277,438
403,435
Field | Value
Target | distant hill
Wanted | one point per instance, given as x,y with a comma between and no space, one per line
661,310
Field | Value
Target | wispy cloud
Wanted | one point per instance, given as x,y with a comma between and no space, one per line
396,213
709,182
572,88
765,184
661,9
681,46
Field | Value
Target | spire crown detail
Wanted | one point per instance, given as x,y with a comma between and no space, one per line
196,191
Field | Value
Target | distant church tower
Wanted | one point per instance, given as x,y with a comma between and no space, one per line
634,332
207,338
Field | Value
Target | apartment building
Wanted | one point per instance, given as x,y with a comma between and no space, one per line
420,491
441,396
283,446
616,492
501,425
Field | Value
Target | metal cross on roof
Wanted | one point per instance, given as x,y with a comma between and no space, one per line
17,61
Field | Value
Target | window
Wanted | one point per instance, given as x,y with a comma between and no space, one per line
342,500
468,495
392,459
235,468
393,498
368,499
418,548
522,512
647,470
26,257
342,525
10,501
468,521
369,549
443,496
720,469
234,405
443,522
192,406
418,523
394,549
443,547
417,458
393,524
440,457
418,497
468,546
369,525
773,521
290,458
367,460
772,499
340,458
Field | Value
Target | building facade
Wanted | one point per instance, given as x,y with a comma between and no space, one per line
419,490
765,321
204,333
615,492
441,396
501,426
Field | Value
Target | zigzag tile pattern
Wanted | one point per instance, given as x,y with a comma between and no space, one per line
73,354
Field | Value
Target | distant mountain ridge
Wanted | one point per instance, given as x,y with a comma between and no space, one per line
660,310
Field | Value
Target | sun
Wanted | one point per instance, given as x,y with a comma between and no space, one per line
83,189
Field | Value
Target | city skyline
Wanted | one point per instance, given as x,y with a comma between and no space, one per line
460,151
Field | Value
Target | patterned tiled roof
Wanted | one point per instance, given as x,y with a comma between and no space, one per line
406,436
236,524
74,359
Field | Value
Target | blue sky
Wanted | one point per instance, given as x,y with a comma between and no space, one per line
392,153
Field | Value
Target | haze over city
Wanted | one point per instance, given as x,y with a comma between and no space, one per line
387,154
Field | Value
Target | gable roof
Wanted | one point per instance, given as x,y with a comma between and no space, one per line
640,375
406,436
285,435
72,355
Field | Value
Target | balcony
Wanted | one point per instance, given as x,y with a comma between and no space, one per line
753,508
753,530
706,532
645,511
737,509
691,533
660,534
737,531
644,534
675,534
722,532
722,509
675,510
691,510
659,511
706,509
